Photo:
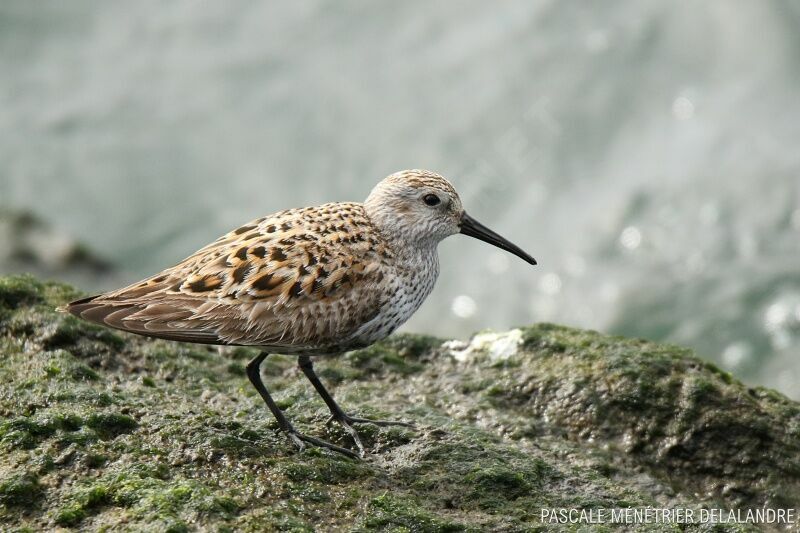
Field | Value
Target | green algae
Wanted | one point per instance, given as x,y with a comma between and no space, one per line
108,431
110,425
324,471
20,490
667,407
147,493
379,358
28,432
390,513
16,291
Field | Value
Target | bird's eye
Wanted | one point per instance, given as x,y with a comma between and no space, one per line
431,200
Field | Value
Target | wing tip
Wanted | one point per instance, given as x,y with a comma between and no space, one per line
113,314
73,307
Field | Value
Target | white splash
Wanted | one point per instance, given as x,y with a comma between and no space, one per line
498,346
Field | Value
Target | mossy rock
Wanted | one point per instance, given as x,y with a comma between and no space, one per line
101,430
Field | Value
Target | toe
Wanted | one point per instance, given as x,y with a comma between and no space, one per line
322,444
355,420
294,437
354,435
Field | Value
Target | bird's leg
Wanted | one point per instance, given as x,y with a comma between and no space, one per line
254,373
305,364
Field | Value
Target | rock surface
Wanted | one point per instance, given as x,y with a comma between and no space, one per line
104,430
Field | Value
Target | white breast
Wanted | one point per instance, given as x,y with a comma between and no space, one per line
406,289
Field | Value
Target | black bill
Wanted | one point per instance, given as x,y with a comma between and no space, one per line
473,228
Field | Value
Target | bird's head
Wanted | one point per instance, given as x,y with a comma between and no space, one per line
422,207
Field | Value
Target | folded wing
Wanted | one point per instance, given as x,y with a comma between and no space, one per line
298,280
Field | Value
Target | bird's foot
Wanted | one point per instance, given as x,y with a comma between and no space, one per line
347,421
298,439
347,425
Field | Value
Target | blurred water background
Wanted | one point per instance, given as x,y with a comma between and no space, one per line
647,153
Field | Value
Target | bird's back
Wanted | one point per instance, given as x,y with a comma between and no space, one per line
312,280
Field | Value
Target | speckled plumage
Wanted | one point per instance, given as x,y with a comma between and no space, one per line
309,281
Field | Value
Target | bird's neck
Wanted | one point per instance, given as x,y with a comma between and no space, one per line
405,240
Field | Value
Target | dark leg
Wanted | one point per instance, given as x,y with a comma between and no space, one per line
305,364
254,373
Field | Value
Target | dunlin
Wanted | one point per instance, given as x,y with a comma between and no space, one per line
308,282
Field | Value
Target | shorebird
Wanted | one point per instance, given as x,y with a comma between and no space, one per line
313,281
